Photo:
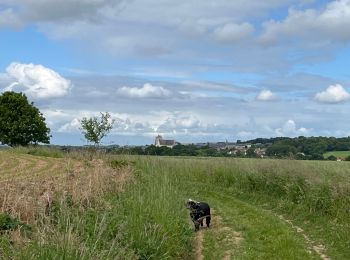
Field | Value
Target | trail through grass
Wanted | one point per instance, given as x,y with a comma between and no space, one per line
251,195
248,232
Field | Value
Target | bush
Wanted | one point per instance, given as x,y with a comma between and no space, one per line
331,158
8,223
117,164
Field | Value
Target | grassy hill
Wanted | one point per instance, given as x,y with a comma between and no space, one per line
84,206
338,154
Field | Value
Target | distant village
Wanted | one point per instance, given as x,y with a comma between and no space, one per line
299,148
230,147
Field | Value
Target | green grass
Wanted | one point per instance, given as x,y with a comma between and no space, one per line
315,195
340,154
263,237
149,220
43,151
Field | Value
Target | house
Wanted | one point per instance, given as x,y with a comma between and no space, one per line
159,141
261,152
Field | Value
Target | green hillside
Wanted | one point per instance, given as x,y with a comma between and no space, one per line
338,154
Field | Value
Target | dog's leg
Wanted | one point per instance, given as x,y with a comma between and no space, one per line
207,220
201,221
196,225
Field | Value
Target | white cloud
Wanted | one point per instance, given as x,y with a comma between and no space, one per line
266,95
147,91
72,126
231,33
37,81
290,129
120,27
333,94
178,121
318,27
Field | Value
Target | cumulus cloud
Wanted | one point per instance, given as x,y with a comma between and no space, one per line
72,126
180,122
165,122
147,91
266,95
231,33
119,27
37,81
333,94
290,129
321,27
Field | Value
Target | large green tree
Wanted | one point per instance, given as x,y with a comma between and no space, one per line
21,123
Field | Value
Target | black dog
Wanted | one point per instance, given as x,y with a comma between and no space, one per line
198,212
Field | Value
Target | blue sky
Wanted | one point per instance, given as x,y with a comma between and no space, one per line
192,71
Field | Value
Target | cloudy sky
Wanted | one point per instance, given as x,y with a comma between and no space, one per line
191,70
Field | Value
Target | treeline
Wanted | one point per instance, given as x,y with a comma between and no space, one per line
309,148
178,150
303,148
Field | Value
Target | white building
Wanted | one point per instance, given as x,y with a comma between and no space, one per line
159,141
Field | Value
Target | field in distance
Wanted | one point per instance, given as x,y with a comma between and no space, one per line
338,154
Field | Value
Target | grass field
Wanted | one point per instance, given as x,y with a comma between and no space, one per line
84,206
338,154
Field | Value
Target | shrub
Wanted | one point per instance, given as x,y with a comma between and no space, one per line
8,223
117,164
331,158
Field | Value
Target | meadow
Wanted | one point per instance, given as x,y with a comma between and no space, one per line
87,206
338,154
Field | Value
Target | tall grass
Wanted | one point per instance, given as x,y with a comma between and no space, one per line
154,213
65,206
89,213
39,151
316,195
93,218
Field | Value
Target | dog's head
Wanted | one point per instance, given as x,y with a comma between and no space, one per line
191,204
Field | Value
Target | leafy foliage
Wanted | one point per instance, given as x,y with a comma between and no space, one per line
332,158
21,123
94,128
251,152
280,150
8,223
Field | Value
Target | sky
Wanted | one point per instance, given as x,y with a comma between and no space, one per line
193,71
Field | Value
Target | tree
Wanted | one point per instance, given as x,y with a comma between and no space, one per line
251,152
281,150
94,128
21,123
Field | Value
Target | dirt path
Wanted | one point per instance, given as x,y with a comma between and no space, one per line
318,249
227,235
199,245
241,230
